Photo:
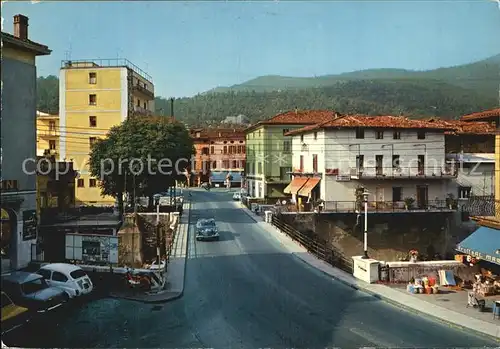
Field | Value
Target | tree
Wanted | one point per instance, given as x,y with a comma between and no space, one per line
48,94
142,156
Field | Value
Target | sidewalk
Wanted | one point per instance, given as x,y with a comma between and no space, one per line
174,286
395,296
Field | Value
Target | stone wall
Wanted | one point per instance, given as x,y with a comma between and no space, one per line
391,236
402,272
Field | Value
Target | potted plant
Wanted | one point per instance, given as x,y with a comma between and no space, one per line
409,201
451,202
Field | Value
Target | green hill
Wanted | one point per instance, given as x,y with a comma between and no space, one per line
445,92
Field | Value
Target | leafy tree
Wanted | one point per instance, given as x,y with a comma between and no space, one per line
48,94
127,155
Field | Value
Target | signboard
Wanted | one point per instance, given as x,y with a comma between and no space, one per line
30,224
9,185
479,255
92,249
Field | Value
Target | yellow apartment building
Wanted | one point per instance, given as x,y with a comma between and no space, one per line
47,134
95,95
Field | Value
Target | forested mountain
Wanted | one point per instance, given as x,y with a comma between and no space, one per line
446,92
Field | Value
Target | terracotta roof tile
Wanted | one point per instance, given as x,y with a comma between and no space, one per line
381,121
482,115
461,127
297,117
209,133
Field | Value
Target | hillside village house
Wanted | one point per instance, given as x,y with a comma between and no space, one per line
400,162
269,152
18,185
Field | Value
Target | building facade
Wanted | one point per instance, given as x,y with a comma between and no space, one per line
219,152
47,134
95,95
400,162
269,152
18,152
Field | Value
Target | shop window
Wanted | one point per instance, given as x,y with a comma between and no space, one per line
80,183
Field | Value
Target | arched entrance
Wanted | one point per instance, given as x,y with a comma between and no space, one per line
8,234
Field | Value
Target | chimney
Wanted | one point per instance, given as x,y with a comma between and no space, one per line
336,115
21,27
296,110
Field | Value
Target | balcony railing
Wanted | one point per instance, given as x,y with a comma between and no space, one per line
143,90
402,172
142,111
374,207
48,133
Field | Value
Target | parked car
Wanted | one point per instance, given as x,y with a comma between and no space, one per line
32,291
13,315
236,196
68,277
206,229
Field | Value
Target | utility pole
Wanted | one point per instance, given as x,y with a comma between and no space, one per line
365,237
172,107
157,199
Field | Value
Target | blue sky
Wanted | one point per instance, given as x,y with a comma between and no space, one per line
190,47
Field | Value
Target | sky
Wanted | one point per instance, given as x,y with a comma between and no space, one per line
191,47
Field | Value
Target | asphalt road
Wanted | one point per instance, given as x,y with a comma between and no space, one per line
245,291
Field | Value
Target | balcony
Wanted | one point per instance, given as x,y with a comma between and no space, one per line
378,172
142,111
375,207
143,90
48,133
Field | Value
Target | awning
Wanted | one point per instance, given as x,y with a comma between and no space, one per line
309,186
483,244
295,185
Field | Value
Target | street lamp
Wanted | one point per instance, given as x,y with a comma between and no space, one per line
365,238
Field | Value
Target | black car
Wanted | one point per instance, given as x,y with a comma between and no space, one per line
206,229
32,291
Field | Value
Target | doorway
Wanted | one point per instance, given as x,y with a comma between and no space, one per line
422,196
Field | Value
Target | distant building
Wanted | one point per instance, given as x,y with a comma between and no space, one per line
47,134
95,95
18,184
238,119
219,151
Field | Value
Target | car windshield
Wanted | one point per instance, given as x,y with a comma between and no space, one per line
34,286
76,274
209,224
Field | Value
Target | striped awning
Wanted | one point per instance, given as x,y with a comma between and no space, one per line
484,244
295,185
308,187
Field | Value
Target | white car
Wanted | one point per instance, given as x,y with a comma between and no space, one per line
71,278
236,196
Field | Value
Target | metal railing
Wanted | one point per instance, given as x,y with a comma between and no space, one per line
48,133
379,172
110,62
142,111
143,90
315,245
373,206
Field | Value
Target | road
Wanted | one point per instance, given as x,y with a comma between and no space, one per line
245,291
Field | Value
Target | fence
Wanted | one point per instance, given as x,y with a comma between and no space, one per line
315,245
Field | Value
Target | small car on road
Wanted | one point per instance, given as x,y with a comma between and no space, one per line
68,277
13,315
206,229
236,196
30,290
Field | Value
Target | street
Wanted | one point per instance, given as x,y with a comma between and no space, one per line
245,291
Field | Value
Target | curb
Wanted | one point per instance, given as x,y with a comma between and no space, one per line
386,299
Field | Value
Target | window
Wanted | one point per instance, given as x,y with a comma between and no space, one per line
235,164
243,164
315,135
396,135
77,274
360,159
80,183
301,168
93,78
302,138
464,192
204,151
315,163
225,164
145,105
379,134
360,133
212,149
92,183
92,141
286,130
397,194
214,164
93,99
52,125
421,134
52,144
225,149
138,102
285,173
92,121
259,166
287,147
379,164
395,162
243,149
421,164
45,273
57,276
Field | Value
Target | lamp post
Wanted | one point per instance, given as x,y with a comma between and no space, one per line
157,203
365,237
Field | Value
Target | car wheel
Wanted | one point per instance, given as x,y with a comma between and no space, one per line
66,297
